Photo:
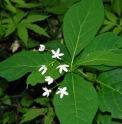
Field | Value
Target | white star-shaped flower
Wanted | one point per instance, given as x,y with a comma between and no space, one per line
41,48
63,68
47,92
62,92
49,79
57,54
43,69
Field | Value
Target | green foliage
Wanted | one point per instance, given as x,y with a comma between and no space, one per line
92,85
20,21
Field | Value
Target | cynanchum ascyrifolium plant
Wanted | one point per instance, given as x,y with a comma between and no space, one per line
90,66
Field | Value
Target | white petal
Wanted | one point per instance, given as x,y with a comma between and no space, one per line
58,50
53,51
60,70
41,69
58,92
61,54
66,93
44,71
61,95
65,69
53,56
44,94
58,57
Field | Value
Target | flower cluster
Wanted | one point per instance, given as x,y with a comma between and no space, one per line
49,79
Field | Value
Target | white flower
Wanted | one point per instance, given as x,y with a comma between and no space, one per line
41,48
62,91
49,79
63,68
57,54
47,92
44,68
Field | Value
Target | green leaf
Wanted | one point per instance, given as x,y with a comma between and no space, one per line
26,101
33,113
10,7
110,16
35,18
104,42
105,119
28,5
48,119
58,10
37,29
23,33
22,63
20,14
80,24
80,106
117,6
32,43
117,30
106,28
100,58
11,28
101,50
43,101
110,96
6,100
36,76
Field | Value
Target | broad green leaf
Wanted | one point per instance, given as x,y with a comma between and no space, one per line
81,23
33,113
11,28
58,10
23,33
110,96
101,67
35,18
80,106
37,29
22,63
104,42
101,51
110,16
100,58
117,6
36,76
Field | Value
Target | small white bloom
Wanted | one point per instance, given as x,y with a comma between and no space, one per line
63,68
49,79
43,69
41,48
57,54
62,92
47,92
